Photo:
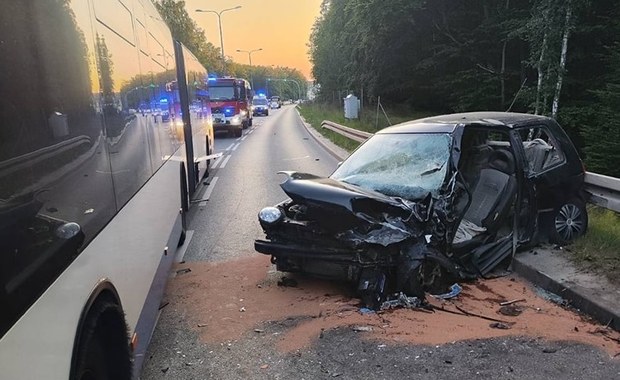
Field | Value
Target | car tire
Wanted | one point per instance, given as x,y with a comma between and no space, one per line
569,221
239,132
251,121
267,113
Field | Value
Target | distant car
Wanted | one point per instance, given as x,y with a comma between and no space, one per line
275,102
260,106
429,202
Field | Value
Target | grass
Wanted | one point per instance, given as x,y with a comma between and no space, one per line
315,113
599,249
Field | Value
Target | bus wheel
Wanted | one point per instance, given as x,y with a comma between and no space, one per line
103,351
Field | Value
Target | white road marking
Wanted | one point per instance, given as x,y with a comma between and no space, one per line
182,249
238,139
217,162
243,138
236,146
230,146
207,194
225,162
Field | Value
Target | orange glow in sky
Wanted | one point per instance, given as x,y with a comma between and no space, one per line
280,27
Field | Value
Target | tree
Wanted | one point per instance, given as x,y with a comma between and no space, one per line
185,29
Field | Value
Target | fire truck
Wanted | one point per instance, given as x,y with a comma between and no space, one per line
231,101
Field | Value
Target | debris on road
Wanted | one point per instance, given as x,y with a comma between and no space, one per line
202,325
183,271
511,302
264,366
361,328
511,310
242,309
499,325
455,290
402,300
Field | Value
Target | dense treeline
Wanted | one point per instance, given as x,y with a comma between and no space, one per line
266,79
554,57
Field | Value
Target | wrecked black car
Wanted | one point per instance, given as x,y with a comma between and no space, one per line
427,202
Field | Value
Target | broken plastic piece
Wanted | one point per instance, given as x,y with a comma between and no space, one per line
455,290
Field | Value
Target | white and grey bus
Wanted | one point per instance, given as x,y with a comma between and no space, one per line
105,132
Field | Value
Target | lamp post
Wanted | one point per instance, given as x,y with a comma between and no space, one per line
297,83
219,21
250,59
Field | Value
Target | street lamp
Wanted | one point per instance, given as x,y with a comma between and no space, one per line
297,83
219,20
250,58
287,80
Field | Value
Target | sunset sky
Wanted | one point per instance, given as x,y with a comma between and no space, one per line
280,27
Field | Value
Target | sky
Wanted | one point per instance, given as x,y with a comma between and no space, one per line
280,27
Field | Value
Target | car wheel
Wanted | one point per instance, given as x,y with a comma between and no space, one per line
570,221
251,121
239,132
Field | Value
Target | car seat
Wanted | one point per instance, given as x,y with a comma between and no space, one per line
491,198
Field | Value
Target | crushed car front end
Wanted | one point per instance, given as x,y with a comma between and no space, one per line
375,221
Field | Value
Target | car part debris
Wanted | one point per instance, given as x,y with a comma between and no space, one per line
511,302
499,325
511,310
402,300
455,290
362,328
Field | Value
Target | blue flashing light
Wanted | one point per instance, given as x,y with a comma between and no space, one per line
212,77
163,100
229,111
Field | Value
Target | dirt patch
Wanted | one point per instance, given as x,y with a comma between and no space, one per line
225,300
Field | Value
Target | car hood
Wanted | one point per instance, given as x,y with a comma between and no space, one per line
347,209
308,188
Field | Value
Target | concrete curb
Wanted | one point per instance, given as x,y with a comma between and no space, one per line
334,150
550,270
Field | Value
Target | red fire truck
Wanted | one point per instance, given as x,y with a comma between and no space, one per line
231,101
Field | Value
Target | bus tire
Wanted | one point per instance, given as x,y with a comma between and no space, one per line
103,351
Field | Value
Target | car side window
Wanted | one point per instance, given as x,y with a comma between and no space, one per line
542,151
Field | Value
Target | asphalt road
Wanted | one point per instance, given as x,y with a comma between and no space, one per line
223,227
245,180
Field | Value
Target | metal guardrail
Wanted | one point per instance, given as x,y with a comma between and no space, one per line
353,134
604,190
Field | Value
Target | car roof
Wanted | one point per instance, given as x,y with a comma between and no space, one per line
447,123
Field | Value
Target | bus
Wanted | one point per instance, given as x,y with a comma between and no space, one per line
105,135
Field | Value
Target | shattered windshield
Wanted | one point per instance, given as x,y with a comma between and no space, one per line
402,165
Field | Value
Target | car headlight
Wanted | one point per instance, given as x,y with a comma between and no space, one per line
270,215
235,120
243,112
